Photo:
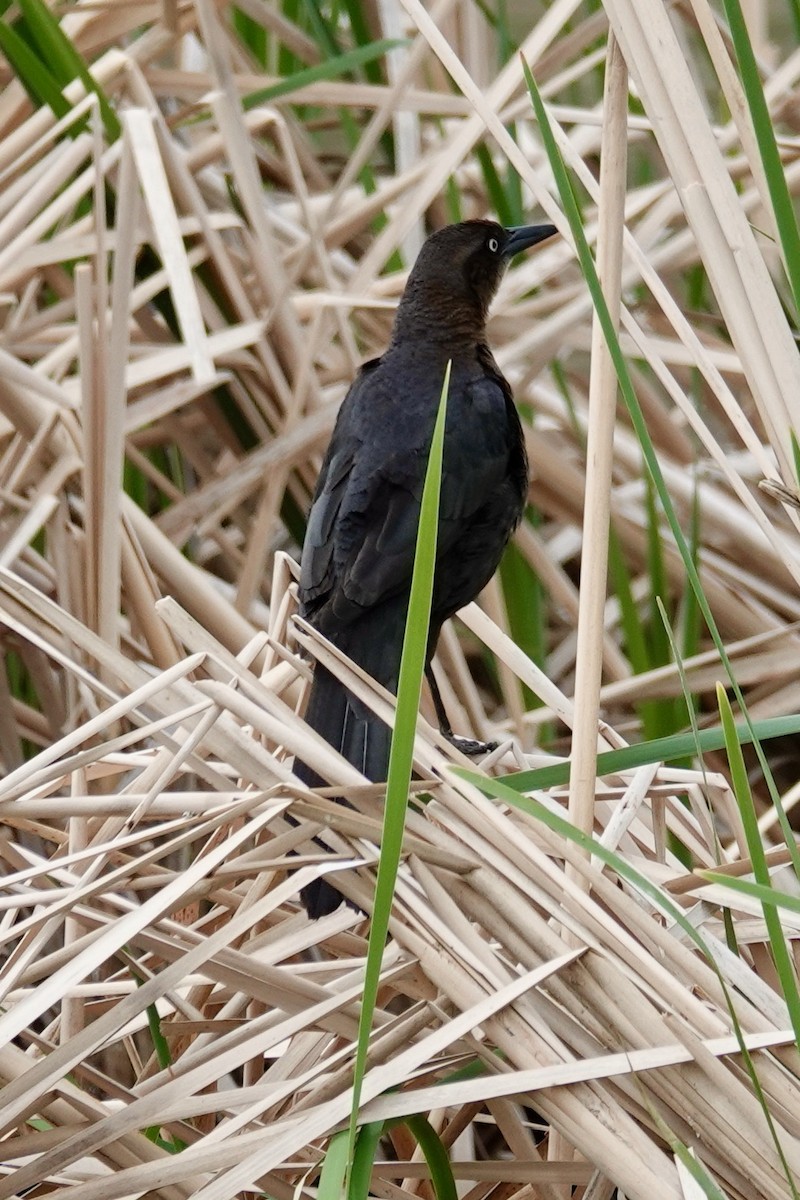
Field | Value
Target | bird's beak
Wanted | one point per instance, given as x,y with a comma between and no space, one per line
524,236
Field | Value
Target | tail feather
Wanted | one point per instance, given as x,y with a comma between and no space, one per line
360,737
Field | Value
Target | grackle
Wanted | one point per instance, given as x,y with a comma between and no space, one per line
359,547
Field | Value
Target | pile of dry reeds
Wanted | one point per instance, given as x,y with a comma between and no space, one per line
188,301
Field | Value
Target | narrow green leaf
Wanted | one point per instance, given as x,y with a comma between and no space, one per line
331,68
360,30
321,28
631,622
677,846
711,1189
412,666
40,84
796,456
766,894
452,196
782,203
628,393
164,1057
666,749
287,59
494,185
58,57
436,1156
662,902
741,788
499,789
366,1146
160,1043
251,34
658,713
659,583
334,1168
526,607
54,47
431,1145
691,617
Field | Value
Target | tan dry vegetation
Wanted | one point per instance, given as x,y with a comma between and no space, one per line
146,844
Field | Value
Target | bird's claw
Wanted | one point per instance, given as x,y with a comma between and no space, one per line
471,746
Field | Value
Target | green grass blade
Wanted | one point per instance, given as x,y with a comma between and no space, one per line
526,608
494,185
711,1189
691,617
782,204
630,621
688,699
287,59
436,1156
412,666
677,846
766,894
657,714
591,846
741,787
164,1058
160,1043
499,790
334,1168
251,34
628,393
320,27
57,57
666,749
659,584
40,84
366,1146
361,35
452,198
331,68
53,45
431,1145
796,455
324,29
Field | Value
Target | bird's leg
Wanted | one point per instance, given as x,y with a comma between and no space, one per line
438,703
469,746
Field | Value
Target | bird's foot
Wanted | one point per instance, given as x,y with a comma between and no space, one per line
470,746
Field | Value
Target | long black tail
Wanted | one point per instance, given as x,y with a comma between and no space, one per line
352,729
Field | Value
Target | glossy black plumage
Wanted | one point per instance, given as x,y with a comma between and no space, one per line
359,547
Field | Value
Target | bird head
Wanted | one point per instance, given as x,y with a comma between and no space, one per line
457,272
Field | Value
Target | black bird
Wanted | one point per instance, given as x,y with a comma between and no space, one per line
358,553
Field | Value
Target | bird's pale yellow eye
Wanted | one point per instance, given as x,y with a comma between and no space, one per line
493,245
